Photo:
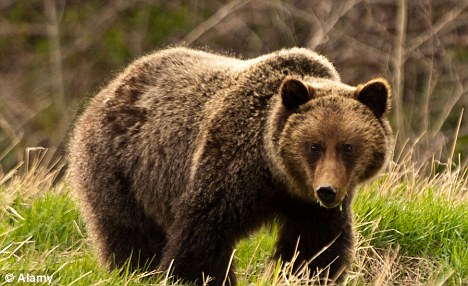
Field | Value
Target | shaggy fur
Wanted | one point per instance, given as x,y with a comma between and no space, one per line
186,152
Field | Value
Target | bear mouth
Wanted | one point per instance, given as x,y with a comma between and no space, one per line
338,204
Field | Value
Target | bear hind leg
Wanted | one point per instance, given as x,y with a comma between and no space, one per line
125,234
138,247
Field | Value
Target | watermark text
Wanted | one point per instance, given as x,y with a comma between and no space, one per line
25,277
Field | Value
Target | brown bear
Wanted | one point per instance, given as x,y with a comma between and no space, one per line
186,152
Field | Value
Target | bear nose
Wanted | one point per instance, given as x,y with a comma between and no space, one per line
326,194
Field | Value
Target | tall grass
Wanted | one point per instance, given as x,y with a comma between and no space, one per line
412,230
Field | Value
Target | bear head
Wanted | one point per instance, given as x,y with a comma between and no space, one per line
325,137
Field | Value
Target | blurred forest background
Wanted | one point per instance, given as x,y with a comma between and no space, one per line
56,53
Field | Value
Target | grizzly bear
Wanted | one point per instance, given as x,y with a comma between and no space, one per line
186,152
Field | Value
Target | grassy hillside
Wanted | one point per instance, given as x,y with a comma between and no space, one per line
412,230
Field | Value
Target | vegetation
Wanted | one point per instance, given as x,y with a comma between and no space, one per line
58,53
412,230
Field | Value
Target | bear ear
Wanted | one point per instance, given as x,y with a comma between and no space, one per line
294,93
375,94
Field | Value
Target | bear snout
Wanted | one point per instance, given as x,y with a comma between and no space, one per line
329,179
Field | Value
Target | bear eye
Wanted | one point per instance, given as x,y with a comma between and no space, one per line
315,148
348,148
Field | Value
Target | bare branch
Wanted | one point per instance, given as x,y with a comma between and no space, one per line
53,33
222,13
447,19
330,23
400,40
96,27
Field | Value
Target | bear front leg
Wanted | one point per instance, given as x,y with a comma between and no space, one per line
317,237
202,238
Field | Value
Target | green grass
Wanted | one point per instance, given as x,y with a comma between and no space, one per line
428,226
411,232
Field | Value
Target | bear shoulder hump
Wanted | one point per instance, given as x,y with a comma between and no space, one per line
302,62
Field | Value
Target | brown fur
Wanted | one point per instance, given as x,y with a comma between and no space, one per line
186,152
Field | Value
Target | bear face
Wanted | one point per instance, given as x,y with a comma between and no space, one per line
327,142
